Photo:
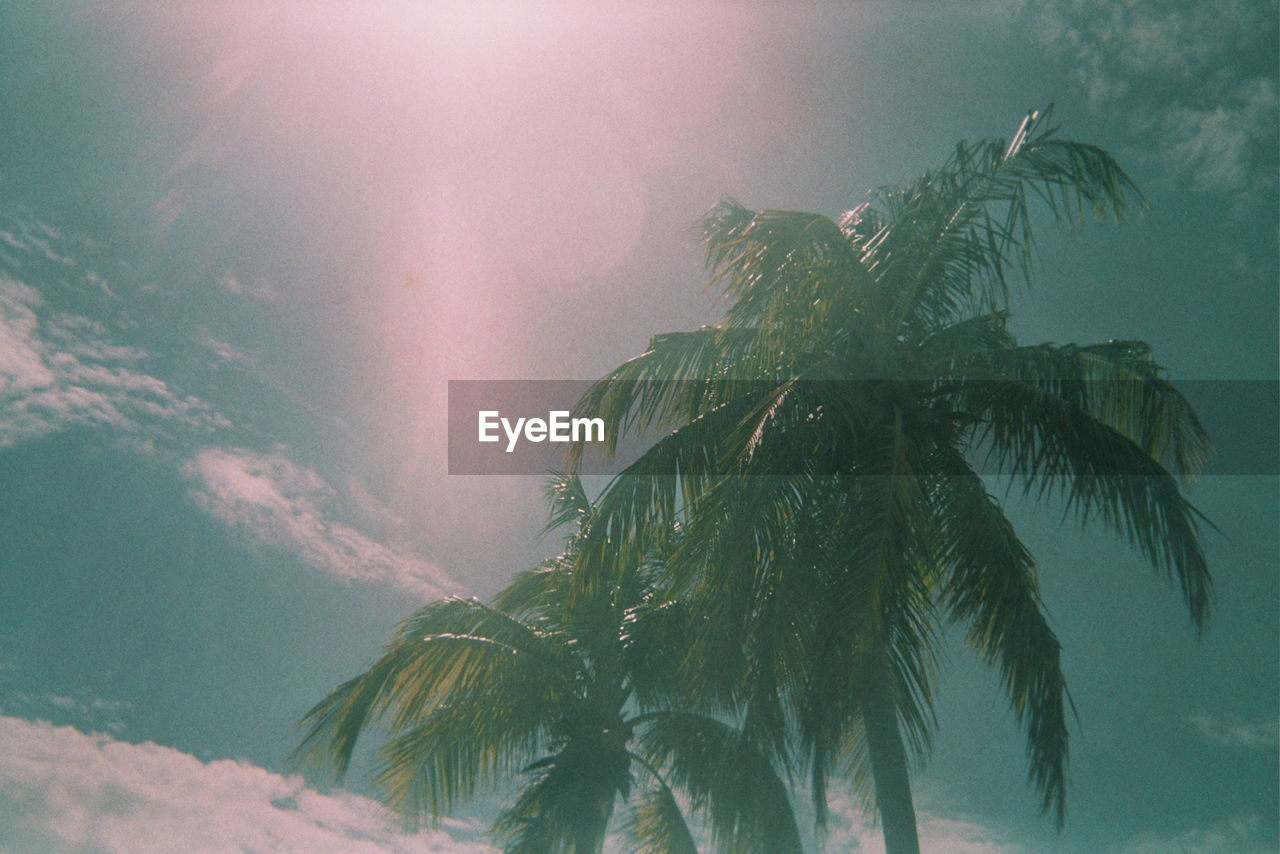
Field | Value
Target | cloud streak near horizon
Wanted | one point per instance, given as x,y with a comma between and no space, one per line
66,789
62,789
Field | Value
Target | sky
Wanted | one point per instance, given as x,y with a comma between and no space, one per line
245,245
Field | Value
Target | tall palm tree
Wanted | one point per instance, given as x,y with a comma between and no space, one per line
825,455
575,700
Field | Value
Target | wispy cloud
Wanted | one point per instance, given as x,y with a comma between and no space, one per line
280,504
60,370
849,830
1170,40
1241,835
28,235
62,789
1216,145
1174,70
224,350
28,243
1233,731
259,289
93,712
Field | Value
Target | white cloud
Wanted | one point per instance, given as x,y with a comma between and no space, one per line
1144,38
22,366
224,350
1239,836
372,511
93,712
30,235
278,503
1172,68
1232,731
259,289
848,830
59,370
63,790
1214,145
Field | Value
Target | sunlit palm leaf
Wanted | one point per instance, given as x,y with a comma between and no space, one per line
746,804
656,825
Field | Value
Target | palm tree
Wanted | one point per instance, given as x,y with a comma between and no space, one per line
826,450
575,699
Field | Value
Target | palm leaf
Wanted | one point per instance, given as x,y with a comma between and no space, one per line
449,648
991,588
733,785
656,824
953,235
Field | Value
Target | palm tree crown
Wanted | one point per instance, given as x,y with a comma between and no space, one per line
574,698
826,450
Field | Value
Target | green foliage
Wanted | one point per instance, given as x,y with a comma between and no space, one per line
761,594
575,699
825,441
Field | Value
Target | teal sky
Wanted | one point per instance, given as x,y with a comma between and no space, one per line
244,246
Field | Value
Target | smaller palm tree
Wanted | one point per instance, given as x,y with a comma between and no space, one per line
574,699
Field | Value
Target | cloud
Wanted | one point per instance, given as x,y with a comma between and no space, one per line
28,243
61,370
280,504
1214,145
95,712
64,790
1175,71
1113,43
224,350
259,289
848,830
1241,835
1232,731
28,235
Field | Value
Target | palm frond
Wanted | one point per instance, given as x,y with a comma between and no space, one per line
568,500
567,805
726,779
656,825
655,636
1118,383
640,507
534,594
1057,448
791,275
964,341
953,236
683,375
461,746
991,588
447,649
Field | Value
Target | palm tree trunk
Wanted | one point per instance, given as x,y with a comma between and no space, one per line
589,842
589,838
889,766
